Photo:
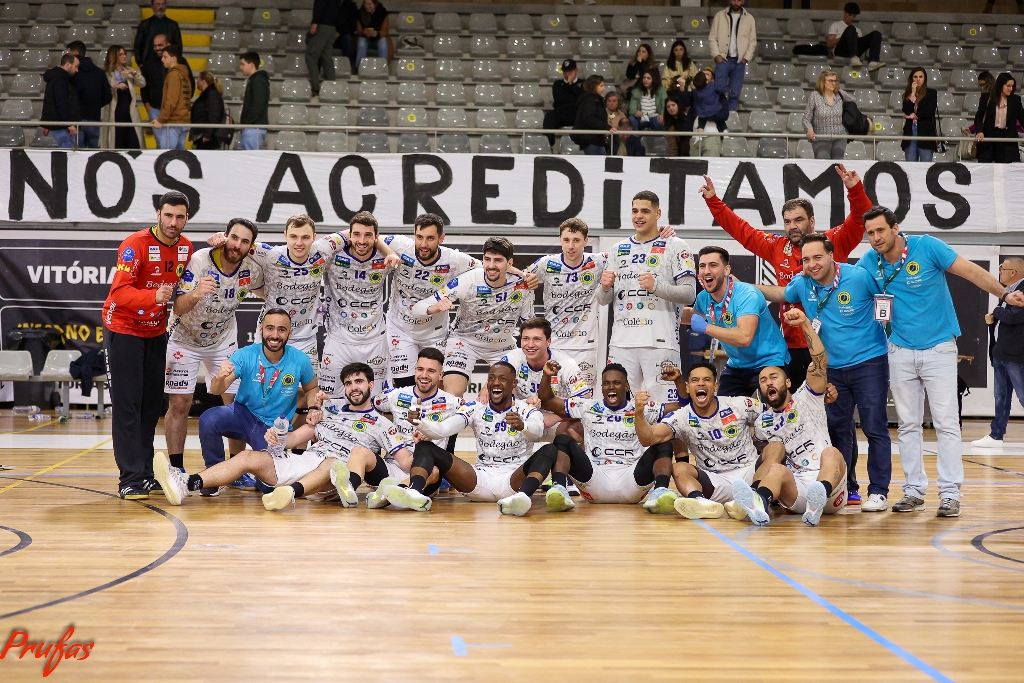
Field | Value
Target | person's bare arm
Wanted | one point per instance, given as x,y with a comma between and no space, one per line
548,400
817,371
187,301
983,279
648,434
773,293
223,379
742,335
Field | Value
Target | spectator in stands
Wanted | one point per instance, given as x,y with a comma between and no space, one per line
845,39
320,41
565,94
676,120
642,62
999,113
823,115
348,16
985,82
123,108
153,71
207,108
990,5
93,94
733,39
919,105
176,99
710,103
149,29
372,24
591,115
679,69
60,101
619,121
647,103
256,105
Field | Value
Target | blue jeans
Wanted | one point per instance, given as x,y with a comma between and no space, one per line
732,71
916,153
159,134
63,138
595,149
1009,378
233,421
253,138
864,385
653,124
173,138
363,44
89,137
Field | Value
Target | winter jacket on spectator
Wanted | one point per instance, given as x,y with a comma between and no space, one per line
257,100
60,101
93,89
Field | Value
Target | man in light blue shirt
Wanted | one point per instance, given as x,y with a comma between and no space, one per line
922,326
839,300
738,318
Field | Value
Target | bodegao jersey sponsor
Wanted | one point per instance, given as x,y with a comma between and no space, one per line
802,427
570,298
434,408
568,383
212,320
724,441
354,296
498,444
609,435
487,315
342,428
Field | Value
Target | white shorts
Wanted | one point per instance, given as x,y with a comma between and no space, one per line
613,484
461,354
803,480
402,354
338,354
643,369
492,484
294,467
396,472
587,359
183,366
722,481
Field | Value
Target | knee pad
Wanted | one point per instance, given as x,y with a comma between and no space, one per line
564,443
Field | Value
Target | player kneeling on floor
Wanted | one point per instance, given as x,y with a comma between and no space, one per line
505,471
612,466
799,467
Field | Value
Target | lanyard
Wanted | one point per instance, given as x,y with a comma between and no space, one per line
899,266
266,389
822,301
725,303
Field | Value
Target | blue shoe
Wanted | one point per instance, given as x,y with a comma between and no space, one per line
262,486
246,482
853,498
445,486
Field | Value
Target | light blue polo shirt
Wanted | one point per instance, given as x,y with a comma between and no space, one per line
849,331
768,346
922,310
293,371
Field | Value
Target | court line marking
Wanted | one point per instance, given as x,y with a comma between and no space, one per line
31,477
459,646
979,543
24,541
974,462
822,602
937,543
179,542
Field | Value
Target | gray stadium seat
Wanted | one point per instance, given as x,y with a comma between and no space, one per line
905,32
486,70
34,60
412,117
1016,57
975,34
855,149
332,141
655,145
86,34
225,39
693,26
453,143
448,70
491,117
953,55
411,69
794,122
15,13
374,92
482,23
882,124
987,57
767,27
263,41
450,93
300,18
589,25
755,97
267,17
294,65
488,94
896,101
891,77
409,22
889,150
373,68
625,47
801,29
698,48
89,13
16,110
43,36
804,150
557,47
660,46
521,46
535,144
293,115
483,46
937,78
42,141
518,24
6,60
789,98
494,144
854,77
10,36
118,35
735,123
222,63
963,80
755,73
527,95
334,91
447,46
332,115
951,126
948,104
625,25
782,73
869,100
940,33
27,85
373,143
529,119
887,54
12,136
916,54
772,148
1010,34
233,89
552,70
452,117
413,143
296,42
599,67
565,146
735,147
773,51
126,14
764,122
553,23
295,90
972,101
229,17
413,92
291,141
661,25
812,72
446,22
593,47
522,71
376,117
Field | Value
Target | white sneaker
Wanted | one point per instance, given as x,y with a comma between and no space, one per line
987,442
660,500
339,478
558,499
816,499
855,61
411,499
280,498
735,510
751,502
379,498
698,508
173,481
876,502
875,66
517,504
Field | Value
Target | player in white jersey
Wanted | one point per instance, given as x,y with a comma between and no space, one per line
649,280
612,466
505,471
354,288
800,468
492,303
354,443
718,432
202,327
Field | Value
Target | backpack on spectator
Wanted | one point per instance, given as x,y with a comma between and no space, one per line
854,121
225,135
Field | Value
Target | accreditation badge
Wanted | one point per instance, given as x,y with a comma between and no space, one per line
883,307
816,325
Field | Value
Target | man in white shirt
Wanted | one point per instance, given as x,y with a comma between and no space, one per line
733,41
845,39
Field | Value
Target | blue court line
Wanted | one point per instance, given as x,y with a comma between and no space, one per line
874,635
459,646
432,549
937,544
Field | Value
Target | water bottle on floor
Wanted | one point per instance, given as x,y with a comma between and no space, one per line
25,410
281,431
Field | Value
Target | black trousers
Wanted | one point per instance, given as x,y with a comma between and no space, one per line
850,45
135,375
999,152
556,118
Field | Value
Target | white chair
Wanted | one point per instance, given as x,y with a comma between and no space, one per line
15,366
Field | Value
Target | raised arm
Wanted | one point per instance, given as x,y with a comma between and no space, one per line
742,335
983,279
753,240
223,379
648,434
817,371
548,400
847,236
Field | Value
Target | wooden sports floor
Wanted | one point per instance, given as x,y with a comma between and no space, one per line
221,590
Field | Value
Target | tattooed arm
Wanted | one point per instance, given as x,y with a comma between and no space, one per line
817,371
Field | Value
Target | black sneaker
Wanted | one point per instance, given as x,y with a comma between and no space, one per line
211,492
948,507
133,493
152,485
909,503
